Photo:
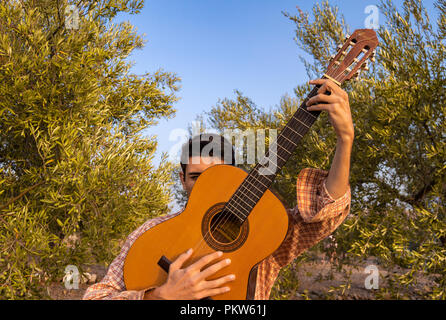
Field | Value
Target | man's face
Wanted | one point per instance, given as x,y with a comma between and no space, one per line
194,168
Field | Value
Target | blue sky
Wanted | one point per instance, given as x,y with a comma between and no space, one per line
217,46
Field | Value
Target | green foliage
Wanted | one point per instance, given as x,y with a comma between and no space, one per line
287,283
76,176
398,173
178,191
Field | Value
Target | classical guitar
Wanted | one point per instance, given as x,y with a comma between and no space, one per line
233,211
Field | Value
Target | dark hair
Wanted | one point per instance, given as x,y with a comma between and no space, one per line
207,145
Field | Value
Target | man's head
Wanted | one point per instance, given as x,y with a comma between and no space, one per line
201,152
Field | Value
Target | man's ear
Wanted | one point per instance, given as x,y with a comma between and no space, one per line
182,177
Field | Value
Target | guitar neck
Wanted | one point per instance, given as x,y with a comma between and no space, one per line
263,174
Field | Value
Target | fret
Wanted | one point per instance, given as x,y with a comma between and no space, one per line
292,130
289,137
266,161
236,208
247,197
241,219
260,176
261,187
278,158
312,115
269,151
300,122
272,173
286,150
306,115
233,205
247,180
289,140
240,198
244,215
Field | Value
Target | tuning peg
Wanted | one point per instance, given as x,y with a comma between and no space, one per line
332,57
346,37
372,56
340,47
365,66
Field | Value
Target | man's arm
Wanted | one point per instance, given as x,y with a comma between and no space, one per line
315,217
323,198
112,286
338,108
338,176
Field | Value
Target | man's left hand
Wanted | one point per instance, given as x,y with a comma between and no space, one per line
337,106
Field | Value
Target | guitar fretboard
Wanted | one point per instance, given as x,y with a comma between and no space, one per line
263,174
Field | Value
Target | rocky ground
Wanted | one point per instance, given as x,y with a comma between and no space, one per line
58,291
317,279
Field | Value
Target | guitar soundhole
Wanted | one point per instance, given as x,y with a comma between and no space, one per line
222,230
225,228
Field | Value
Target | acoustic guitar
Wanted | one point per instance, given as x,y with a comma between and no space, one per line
233,211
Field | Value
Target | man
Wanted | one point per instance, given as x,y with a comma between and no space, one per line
323,203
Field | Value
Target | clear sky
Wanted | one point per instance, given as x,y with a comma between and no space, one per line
217,46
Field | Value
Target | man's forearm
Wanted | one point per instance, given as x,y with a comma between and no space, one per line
338,178
338,107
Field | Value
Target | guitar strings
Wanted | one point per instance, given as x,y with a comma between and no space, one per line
285,144
249,177
252,179
225,217
229,216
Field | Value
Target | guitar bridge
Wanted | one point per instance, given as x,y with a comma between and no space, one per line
164,263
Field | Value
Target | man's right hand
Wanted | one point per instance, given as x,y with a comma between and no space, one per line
190,283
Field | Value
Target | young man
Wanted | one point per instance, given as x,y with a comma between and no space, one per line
323,203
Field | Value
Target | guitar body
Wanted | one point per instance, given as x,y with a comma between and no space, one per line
258,237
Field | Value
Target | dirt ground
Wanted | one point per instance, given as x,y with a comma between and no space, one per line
316,281
319,280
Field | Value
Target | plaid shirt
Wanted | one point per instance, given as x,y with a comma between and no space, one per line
314,218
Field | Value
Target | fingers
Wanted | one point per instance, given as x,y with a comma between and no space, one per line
212,292
325,89
205,260
320,107
214,287
190,282
324,101
328,85
214,268
321,98
218,282
178,263
325,84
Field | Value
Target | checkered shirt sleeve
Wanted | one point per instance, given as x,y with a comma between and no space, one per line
112,286
314,218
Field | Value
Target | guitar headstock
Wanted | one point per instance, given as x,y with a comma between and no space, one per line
353,56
